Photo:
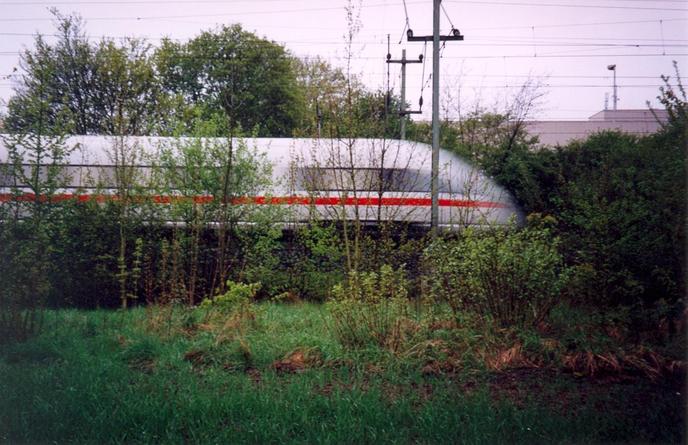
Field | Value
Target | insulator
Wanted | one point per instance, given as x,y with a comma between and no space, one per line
409,33
420,102
455,32
389,56
420,58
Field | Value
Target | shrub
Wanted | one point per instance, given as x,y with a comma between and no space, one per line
513,276
369,308
231,313
238,296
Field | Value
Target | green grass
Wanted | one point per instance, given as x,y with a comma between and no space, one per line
108,377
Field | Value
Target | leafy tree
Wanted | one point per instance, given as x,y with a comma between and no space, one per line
90,84
251,80
127,97
324,90
617,201
58,72
619,206
33,170
676,103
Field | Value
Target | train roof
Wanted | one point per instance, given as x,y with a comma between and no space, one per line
95,150
284,152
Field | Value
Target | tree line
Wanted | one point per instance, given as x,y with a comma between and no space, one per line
227,75
613,204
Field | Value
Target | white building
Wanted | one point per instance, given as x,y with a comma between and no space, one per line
637,122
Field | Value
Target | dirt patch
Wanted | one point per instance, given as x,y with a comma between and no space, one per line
325,390
144,365
254,374
298,361
196,357
437,368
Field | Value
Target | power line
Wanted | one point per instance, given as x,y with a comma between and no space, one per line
479,76
216,14
134,2
337,8
503,56
475,42
571,25
565,5
530,56
223,2
166,2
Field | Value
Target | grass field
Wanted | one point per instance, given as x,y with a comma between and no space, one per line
169,375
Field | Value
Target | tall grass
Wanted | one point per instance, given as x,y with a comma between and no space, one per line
111,377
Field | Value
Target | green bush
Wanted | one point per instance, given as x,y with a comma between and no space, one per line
370,307
512,276
236,297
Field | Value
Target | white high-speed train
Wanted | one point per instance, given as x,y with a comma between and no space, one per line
370,180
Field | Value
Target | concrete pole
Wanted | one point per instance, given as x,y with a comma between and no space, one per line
434,189
616,98
402,107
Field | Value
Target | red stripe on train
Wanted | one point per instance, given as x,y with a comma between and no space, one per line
270,200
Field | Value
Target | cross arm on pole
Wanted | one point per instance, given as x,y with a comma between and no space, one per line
455,35
405,61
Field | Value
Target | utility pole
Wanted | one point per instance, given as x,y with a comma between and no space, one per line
436,39
402,106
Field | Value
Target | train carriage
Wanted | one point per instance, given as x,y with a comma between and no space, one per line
370,180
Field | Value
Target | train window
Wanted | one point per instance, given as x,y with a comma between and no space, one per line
6,179
344,179
110,176
64,175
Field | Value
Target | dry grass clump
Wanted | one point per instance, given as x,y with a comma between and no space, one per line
298,361
640,362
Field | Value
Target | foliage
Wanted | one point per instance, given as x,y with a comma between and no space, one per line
232,71
99,88
214,180
618,204
237,297
33,172
311,260
675,101
83,252
512,276
370,308
324,89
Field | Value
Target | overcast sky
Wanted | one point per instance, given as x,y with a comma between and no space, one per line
565,45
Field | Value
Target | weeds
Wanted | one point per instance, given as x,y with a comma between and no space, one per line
372,308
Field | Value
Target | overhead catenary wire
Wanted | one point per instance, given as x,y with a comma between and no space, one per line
564,5
496,56
171,2
407,26
578,24
478,41
336,8
423,84
447,16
